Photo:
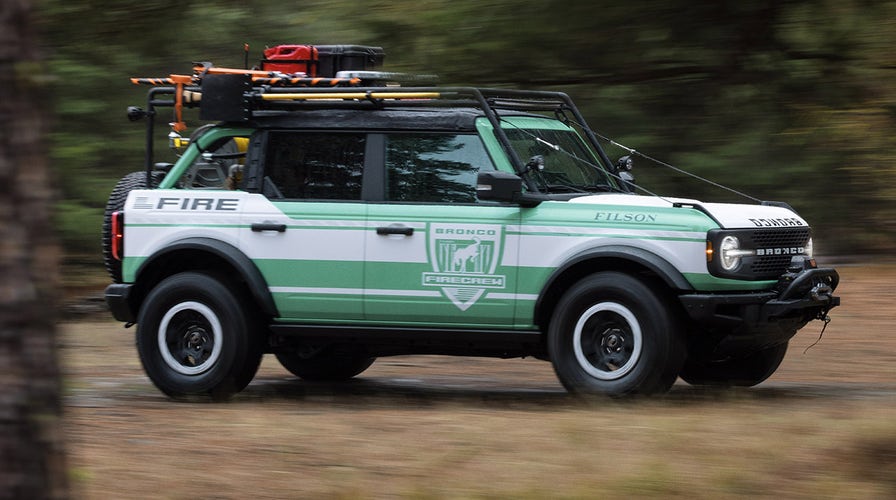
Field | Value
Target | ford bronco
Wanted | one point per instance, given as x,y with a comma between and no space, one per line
333,220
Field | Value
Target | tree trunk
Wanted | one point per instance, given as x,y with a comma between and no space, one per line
32,463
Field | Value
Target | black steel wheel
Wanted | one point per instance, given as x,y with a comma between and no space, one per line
195,337
744,372
612,334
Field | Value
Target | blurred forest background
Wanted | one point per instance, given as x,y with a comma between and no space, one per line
784,100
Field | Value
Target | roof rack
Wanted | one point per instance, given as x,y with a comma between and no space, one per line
236,95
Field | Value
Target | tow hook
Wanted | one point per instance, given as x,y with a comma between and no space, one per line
821,293
803,279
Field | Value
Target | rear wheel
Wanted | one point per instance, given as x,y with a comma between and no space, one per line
612,334
744,372
324,365
195,339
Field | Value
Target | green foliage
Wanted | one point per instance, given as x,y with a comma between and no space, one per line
783,100
73,222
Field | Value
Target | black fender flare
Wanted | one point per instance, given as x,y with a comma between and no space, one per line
243,265
668,273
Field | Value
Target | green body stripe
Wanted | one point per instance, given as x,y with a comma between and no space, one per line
709,283
311,273
129,266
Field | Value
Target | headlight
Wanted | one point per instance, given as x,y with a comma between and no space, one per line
809,250
730,253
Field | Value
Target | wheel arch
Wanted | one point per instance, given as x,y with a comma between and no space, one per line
628,259
203,254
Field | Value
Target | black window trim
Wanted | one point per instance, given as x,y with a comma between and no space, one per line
373,180
259,142
382,166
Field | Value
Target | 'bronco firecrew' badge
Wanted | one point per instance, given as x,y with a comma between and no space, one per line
464,259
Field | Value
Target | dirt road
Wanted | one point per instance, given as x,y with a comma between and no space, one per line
444,427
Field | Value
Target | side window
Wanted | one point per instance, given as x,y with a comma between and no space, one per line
313,165
434,167
219,167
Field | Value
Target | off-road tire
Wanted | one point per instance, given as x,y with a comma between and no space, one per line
612,334
195,337
128,183
742,372
324,366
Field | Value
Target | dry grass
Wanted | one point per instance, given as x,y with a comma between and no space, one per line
439,427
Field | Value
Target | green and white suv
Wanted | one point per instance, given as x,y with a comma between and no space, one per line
333,226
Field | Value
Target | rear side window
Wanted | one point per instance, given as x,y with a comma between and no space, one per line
434,167
218,167
311,165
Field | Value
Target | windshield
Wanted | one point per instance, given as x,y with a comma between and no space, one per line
560,161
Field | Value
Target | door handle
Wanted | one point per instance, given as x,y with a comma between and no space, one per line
258,227
383,231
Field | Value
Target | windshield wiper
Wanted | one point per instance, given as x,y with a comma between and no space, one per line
593,188
562,188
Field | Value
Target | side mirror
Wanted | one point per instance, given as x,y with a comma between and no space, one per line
493,185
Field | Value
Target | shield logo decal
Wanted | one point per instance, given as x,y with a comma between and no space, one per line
464,258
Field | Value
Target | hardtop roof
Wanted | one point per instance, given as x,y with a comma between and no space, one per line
433,119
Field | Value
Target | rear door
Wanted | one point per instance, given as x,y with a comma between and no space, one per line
435,254
306,230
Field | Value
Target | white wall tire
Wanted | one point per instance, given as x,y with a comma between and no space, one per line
190,346
615,349
196,337
612,334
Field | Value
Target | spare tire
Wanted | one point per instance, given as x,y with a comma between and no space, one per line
128,183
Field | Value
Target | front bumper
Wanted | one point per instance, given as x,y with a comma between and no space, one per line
740,323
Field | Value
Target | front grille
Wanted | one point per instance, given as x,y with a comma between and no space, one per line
774,248
772,266
777,238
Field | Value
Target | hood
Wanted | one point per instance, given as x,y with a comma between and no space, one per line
728,215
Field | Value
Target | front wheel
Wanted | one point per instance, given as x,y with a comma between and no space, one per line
612,334
744,372
195,338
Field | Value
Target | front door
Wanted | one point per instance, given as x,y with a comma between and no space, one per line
435,255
